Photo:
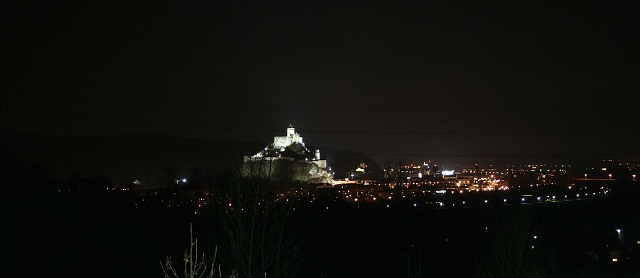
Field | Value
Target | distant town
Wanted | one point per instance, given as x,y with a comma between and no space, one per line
306,179
363,214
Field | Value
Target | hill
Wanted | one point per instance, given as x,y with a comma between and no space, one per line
142,156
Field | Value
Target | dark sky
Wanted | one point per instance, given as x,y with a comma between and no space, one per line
423,79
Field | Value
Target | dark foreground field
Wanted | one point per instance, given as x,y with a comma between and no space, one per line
51,234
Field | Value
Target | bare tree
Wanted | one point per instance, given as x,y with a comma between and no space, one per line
513,251
195,264
251,229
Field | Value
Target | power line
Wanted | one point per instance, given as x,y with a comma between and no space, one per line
486,155
426,73
471,109
89,121
393,154
355,132
397,74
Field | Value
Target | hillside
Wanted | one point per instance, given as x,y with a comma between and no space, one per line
142,156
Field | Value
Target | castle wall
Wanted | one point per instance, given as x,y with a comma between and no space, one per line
285,141
322,163
287,170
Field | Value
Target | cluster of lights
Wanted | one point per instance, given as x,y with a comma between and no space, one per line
367,195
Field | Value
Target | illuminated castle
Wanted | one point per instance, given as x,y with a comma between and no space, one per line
284,141
287,158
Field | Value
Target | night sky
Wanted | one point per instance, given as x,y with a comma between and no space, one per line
430,80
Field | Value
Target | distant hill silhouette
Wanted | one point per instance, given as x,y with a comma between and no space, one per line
342,162
143,156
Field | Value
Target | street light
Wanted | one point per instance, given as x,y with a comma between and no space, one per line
585,176
633,176
609,176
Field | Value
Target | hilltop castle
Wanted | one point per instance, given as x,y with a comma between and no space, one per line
288,159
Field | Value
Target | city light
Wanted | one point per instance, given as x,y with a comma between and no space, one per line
109,104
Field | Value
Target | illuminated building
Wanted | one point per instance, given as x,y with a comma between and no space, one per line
282,142
288,159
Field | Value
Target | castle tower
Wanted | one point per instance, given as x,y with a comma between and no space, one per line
291,131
